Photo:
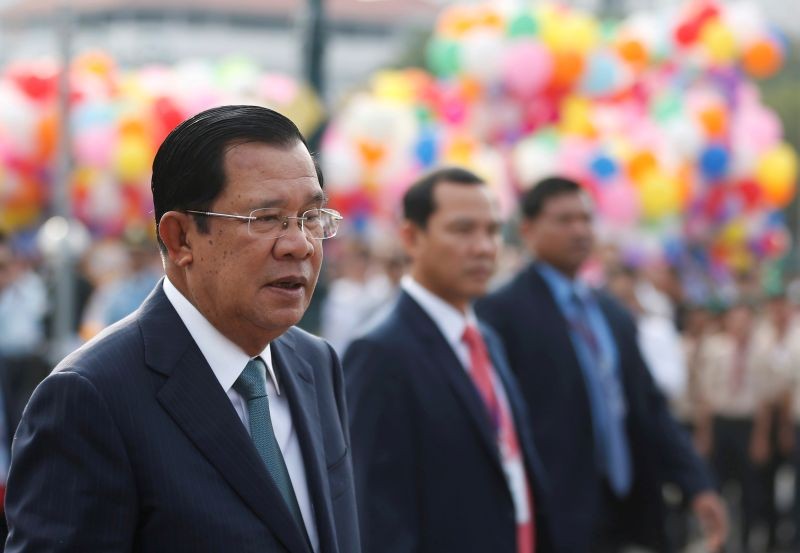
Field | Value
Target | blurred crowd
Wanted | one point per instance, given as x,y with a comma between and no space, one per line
730,371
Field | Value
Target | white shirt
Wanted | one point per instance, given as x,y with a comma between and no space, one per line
451,321
663,353
227,361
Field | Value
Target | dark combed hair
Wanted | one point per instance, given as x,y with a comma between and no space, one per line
188,169
418,203
533,200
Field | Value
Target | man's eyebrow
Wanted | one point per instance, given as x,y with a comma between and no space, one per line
316,198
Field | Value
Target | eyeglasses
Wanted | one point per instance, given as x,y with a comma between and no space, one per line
269,222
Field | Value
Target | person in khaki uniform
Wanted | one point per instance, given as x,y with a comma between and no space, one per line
777,355
733,388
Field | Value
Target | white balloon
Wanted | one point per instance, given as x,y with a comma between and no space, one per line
480,53
532,161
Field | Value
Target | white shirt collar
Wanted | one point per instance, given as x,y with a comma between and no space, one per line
450,320
227,360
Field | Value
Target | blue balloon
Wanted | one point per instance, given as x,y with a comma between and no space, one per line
776,219
426,150
602,75
603,167
714,162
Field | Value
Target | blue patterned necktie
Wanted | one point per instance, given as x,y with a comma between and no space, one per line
251,386
608,402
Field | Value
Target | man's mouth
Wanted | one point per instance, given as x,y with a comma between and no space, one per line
289,282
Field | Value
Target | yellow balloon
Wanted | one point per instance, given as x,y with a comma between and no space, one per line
133,158
660,195
564,31
776,173
734,233
739,259
718,41
393,86
576,117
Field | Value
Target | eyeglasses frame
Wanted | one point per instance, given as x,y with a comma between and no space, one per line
284,219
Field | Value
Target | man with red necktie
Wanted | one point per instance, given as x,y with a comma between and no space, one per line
442,457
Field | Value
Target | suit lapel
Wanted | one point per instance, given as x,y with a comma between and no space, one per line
297,376
196,402
552,325
444,359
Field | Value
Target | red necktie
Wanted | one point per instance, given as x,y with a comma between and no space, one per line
482,371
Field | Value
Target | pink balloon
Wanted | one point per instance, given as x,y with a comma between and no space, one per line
526,68
95,146
619,205
757,128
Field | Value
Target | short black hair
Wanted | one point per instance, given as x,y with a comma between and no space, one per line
188,169
418,203
533,200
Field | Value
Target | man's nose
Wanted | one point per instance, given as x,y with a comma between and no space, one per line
294,241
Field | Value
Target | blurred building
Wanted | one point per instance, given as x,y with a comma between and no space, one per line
363,35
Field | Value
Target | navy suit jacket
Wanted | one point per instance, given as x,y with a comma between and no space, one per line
540,352
428,472
132,445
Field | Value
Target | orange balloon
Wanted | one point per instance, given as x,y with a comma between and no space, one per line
97,63
46,136
714,121
640,165
762,59
567,67
685,183
490,18
633,52
455,21
371,152
471,89
132,126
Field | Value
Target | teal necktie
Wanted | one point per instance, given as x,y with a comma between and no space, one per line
250,385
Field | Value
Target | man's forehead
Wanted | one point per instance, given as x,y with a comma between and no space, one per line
569,201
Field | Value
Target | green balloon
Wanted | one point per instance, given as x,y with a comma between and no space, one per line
667,107
423,114
444,57
523,25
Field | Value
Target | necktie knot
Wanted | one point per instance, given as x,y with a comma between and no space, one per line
250,383
472,338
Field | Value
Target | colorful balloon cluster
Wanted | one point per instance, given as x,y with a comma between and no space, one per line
117,120
657,115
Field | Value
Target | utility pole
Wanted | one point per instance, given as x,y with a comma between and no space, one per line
314,47
314,42
62,261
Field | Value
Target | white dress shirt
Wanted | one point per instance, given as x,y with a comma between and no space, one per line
227,361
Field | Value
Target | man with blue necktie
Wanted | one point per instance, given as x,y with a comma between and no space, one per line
606,438
204,421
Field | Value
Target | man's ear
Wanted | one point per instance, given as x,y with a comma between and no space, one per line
173,231
527,233
410,235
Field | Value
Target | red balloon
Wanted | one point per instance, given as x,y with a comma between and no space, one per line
687,33
167,116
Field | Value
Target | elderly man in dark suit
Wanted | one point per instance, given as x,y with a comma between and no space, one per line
441,451
203,422
606,438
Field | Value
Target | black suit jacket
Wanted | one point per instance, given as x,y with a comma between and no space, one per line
428,473
132,445
541,354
